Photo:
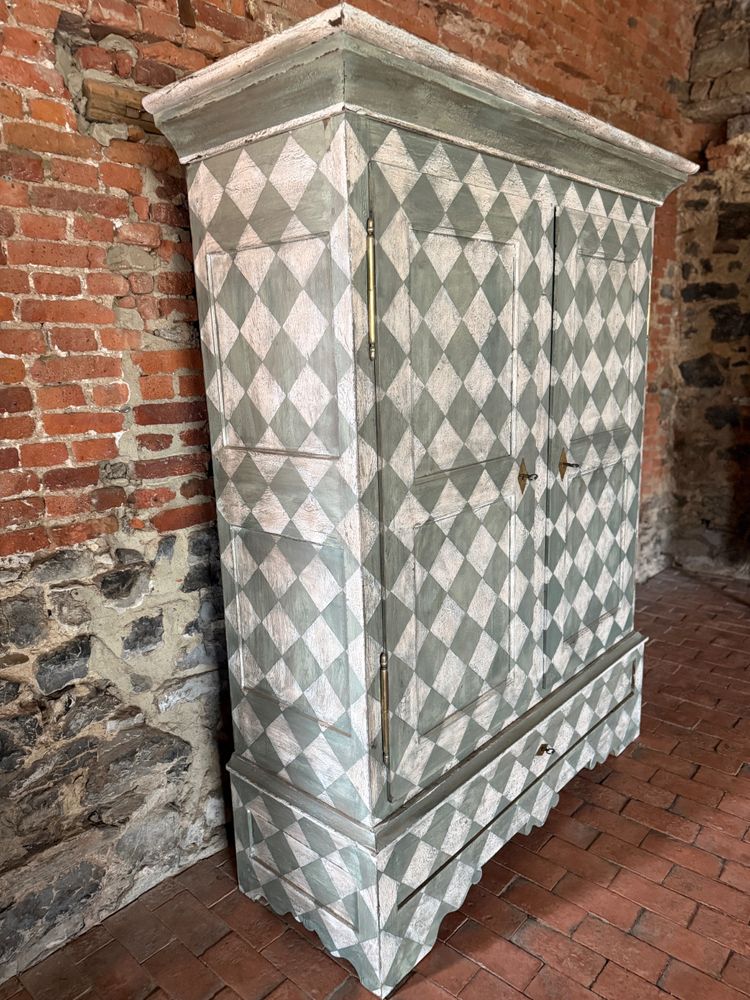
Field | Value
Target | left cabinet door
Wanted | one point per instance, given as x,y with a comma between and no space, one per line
463,276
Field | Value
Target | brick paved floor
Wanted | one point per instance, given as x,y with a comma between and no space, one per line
637,887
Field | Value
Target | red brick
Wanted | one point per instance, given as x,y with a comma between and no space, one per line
149,414
628,856
191,386
45,453
11,370
13,280
49,254
157,387
21,342
57,284
118,176
206,882
82,531
96,229
682,854
144,234
613,823
689,984
21,166
106,284
308,967
718,826
540,870
8,458
63,424
52,311
55,978
68,172
158,362
484,986
15,428
615,983
494,953
486,908
16,481
448,969
70,478
174,465
51,112
30,540
44,227
154,442
47,140
19,73
703,890
735,934
547,907
583,863
194,924
14,195
181,975
17,513
73,340
682,786
15,399
737,972
654,897
111,395
52,369
58,397
95,449
724,846
621,948
139,930
574,960
694,949
551,985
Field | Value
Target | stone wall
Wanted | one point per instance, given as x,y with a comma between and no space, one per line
110,619
111,729
712,416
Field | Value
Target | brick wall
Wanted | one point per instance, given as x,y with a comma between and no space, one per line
110,622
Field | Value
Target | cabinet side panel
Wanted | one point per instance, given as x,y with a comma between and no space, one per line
272,266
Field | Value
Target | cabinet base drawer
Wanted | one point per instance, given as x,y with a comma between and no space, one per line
378,899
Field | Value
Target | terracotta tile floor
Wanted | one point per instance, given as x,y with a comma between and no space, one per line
637,887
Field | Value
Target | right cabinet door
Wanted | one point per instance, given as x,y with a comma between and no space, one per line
598,361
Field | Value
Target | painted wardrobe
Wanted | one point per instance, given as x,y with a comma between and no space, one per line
423,295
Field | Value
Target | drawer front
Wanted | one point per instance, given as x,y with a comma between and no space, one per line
441,836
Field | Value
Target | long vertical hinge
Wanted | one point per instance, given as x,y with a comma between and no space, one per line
385,715
371,317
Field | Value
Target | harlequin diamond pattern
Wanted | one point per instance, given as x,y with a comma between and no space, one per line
459,373
270,229
296,202
273,311
599,353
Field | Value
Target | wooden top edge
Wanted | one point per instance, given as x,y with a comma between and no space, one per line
193,91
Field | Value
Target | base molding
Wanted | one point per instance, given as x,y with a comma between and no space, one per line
380,905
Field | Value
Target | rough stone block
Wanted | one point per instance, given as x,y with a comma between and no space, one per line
62,666
731,53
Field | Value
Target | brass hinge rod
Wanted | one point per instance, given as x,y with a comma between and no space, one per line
371,318
385,723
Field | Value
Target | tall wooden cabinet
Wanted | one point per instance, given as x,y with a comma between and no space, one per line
423,297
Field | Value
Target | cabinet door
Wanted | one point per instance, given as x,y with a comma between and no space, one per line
463,286
596,394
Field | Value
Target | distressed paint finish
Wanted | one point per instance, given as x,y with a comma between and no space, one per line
377,506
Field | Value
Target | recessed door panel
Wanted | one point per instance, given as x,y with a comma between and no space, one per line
461,277
596,393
